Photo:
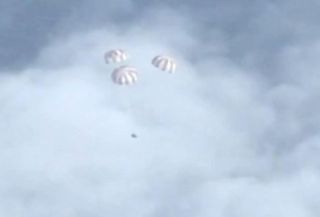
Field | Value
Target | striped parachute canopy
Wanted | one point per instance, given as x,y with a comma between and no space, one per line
125,75
115,56
165,63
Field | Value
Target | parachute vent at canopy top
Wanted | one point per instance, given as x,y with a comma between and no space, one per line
115,56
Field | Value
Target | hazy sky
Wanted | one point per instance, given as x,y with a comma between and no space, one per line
234,133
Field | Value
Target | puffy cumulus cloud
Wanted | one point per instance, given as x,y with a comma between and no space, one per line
216,138
293,196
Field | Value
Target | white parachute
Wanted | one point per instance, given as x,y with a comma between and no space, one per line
125,75
165,63
115,56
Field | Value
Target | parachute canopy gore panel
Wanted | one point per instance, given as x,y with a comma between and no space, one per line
115,56
125,75
164,63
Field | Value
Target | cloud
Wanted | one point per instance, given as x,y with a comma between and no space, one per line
220,137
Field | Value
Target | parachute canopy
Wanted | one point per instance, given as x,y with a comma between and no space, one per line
165,63
125,75
115,56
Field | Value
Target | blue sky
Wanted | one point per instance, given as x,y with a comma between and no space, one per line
234,133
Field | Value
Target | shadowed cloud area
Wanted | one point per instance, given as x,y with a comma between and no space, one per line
233,133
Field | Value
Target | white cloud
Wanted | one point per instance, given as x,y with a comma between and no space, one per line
213,139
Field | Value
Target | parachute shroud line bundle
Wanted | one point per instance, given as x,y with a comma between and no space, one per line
127,75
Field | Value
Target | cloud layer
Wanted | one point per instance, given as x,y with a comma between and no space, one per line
233,133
